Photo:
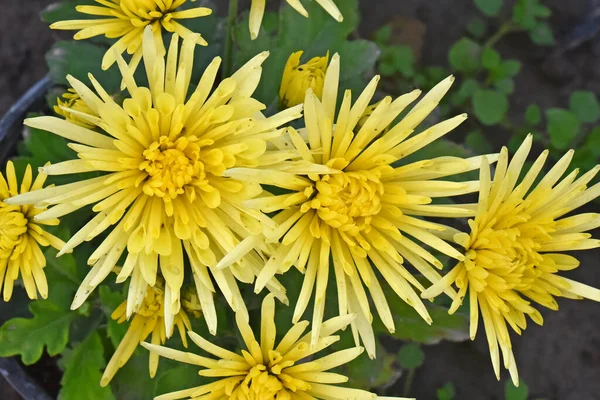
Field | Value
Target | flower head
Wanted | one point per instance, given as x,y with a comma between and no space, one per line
151,318
71,100
513,254
298,78
362,216
127,19
265,371
163,155
257,12
21,235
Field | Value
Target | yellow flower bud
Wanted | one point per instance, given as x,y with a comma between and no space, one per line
298,78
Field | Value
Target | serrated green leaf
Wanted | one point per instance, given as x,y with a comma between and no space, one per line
542,35
49,328
411,356
563,127
476,27
490,106
490,58
78,59
533,114
82,366
490,8
446,392
183,376
511,392
585,105
464,55
370,374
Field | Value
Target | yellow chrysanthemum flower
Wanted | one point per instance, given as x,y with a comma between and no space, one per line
151,318
365,213
267,372
127,19
163,155
298,78
257,12
21,235
514,250
71,100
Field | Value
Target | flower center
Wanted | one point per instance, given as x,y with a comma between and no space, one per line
348,201
142,11
266,382
13,224
171,166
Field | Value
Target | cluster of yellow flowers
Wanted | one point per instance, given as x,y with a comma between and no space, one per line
181,182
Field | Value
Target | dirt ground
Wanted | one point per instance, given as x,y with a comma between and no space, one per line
559,361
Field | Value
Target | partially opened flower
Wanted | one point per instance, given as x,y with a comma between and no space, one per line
257,12
127,19
265,371
22,235
515,250
297,78
163,155
363,217
150,320
71,100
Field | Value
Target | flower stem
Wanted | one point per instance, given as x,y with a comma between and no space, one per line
505,28
231,18
408,382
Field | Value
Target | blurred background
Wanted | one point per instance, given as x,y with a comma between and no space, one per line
559,361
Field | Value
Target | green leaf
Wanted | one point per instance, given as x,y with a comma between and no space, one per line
82,366
464,55
467,88
542,35
49,327
533,114
506,69
403,59
182,376
592,141
506,86
110,301
371,374
525,13
511,392
490,8
383,34
478,142
490,106
79,59
563,127
446,392
411,356
490,58
476,27
585,105
63,10
411,327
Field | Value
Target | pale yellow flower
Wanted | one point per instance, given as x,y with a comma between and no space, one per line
513,253
71,100
151,318
362,219
292,370
257,12
298,78
21,235
163,155
127,19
